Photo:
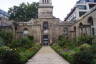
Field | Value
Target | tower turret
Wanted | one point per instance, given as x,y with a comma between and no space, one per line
45,9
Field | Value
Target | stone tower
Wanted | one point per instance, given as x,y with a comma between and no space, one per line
45,9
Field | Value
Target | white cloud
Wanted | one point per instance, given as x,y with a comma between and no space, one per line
61,7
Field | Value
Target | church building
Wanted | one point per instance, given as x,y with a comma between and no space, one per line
46,28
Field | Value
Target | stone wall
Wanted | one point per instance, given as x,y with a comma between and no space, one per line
84,20
35,28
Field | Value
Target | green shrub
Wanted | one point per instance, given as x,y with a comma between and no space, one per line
24,42
66,53
31,38
85,39
93,61
93,49
63,41
6,36
84,46
85,56
84,53
28,53
25,55
1,42
9,56
16,43
94,40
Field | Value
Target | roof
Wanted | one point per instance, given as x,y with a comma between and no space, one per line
70,13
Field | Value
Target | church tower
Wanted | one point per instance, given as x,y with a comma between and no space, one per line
45,9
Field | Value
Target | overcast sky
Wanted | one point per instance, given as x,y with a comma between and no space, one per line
61,7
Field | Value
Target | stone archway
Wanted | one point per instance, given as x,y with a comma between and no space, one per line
45,40
90,22
25,31
81,28
45,36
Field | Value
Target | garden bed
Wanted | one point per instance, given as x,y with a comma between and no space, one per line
84,54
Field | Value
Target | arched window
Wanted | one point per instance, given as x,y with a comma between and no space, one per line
75,28
80,25
65,31
75,31
90,20
45,25
25,31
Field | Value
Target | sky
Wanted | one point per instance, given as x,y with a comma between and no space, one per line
60,10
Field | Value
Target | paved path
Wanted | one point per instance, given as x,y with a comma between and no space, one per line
47,56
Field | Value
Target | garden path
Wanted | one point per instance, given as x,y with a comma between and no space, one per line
47,56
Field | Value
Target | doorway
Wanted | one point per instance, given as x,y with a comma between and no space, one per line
45,40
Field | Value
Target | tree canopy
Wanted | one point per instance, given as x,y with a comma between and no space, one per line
23,12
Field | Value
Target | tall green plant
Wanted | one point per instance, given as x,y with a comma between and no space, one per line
1,42
9,56
85,39
6,36
63,41
23,42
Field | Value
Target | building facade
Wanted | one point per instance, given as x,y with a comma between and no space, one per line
46,28
4,21
86,25
81,7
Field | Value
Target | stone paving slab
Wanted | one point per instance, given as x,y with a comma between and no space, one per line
47,56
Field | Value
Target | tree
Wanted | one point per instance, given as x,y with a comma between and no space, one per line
23,12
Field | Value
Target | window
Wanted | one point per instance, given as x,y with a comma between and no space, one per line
75,28
91,5
45,25
90,20
83,7
93,33
45,36
89,0
65,31
47,1
43,1
81,13
94,0
81,1
25,31
45,39
80,25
